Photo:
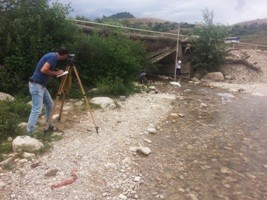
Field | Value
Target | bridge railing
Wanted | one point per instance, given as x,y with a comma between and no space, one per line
160,34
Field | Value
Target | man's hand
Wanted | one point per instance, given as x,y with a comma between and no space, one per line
59,72
46,70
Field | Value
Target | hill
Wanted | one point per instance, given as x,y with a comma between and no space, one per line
256,21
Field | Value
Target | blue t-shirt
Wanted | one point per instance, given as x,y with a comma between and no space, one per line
51,58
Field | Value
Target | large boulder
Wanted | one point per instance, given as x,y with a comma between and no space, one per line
213,76
26,143
5,96
104,102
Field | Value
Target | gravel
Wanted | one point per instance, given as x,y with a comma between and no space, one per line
103,162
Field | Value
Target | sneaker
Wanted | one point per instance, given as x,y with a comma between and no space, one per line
53,129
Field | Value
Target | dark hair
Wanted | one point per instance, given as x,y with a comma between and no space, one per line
63,50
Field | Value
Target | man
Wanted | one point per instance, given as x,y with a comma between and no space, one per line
178,67
37,86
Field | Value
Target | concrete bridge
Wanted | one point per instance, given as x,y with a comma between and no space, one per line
163,47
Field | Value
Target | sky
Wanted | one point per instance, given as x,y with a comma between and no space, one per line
227,12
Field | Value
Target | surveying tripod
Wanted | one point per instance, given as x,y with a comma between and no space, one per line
63,90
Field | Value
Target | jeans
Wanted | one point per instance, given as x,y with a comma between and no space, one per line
40,96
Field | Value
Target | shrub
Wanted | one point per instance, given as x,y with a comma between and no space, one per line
11,114
110,86
28,30
209,49
113,56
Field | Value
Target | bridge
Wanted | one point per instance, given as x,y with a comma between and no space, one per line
163,47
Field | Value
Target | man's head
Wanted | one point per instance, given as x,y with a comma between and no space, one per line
63,53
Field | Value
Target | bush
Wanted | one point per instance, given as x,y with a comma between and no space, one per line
28,30
110,86
11,114
113,56
209,49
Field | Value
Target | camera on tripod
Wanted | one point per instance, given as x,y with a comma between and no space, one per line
71,57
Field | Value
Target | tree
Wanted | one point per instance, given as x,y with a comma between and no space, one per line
29,28
209,49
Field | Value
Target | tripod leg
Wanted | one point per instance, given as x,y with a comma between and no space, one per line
61,107
59,93
85,98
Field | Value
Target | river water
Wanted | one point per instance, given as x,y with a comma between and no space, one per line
214,149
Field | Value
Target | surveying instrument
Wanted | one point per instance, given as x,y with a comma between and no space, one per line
63,90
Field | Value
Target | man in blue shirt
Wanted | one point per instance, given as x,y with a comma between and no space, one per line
37,86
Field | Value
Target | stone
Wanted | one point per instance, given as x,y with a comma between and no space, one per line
5,96
137,179
152,88
213,76
152,130
174,115
225,170
144,150
104,102
122,196
23,125
2,185
175,84
26,143
122,98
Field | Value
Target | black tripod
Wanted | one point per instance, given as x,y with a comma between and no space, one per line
63,90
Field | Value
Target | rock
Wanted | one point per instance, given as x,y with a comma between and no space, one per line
181,115
28,155
174,115
55,116
5,96
34,165
104,102
175,84
152,130
148,141
144,150
26,143
257,94
193,196
122,98
5,163
78,103
152,88
2,185
52,172
203,105
137,179
225,170
23,125
133,149
213,76
122,196
127,160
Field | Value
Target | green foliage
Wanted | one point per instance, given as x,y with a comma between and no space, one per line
112,56
121,15
209,49
243,30
110,86
11,114
28,30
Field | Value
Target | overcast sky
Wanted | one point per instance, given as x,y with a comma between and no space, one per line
226,12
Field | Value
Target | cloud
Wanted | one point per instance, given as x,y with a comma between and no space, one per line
190,11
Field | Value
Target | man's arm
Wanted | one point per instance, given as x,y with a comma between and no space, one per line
46,70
